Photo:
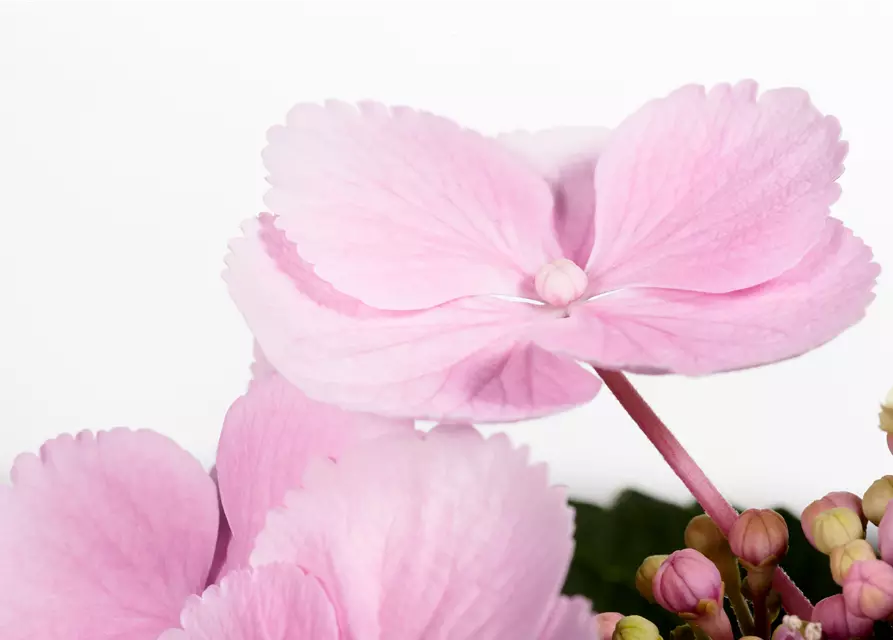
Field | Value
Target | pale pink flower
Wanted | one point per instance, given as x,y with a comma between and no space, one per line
416,536
106,536
412,267
407,537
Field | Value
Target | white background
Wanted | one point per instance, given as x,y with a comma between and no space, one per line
130,137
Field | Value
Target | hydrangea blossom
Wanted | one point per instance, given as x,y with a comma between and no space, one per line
408,536
410,267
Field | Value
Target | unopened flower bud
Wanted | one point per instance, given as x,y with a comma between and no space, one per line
759,537
876,498
836,527
868,590
605,623
810,513
834,499
560,282
849,500
645,575
885,537
844,556
703,535
687,583
635,628
838,623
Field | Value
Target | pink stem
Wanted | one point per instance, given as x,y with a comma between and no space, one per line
707,495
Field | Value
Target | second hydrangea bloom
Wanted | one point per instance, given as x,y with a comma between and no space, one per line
408,536
413,268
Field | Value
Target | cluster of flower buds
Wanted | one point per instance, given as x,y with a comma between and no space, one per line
836,525
694,582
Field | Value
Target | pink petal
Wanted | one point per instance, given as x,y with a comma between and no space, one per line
570,619
277,602
714,192
269,436
405,210
566,157
261,369
469,359
686,332
103,538
224,538
285,254
421,538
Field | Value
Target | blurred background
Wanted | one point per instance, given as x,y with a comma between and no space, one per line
130,139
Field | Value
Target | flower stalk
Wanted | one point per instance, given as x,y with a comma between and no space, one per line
691,475
761,613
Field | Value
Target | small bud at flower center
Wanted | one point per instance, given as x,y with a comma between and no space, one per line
560,282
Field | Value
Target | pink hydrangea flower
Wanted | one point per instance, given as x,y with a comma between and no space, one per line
408,535
412,267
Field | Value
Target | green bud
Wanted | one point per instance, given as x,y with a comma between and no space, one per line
845,556
645,575
875,500
835,528
636,628
703,535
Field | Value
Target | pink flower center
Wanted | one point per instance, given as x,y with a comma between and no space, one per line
560,282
